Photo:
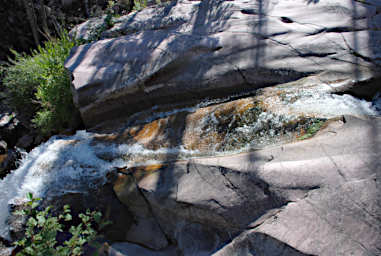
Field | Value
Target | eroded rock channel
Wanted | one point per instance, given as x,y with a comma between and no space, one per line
223,128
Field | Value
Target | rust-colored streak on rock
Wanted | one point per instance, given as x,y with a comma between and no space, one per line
149,131
236,107
153,167
202,130
3,157
142,171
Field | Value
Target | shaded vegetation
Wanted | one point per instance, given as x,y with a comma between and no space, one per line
38,85
43,228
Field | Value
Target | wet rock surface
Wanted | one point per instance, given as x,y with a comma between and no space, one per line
14,139
331,217
239,125
11,130
315,197
8,161
288,163
318,196
227,204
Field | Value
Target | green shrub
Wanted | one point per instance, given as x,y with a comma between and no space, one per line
42,229
39,85
140,5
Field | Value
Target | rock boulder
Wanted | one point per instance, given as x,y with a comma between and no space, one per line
189,50
316,197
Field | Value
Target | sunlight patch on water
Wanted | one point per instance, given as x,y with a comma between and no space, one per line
76,164
69,164
123,155
331,105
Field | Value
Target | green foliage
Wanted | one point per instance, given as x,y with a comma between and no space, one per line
140,4
108,22
110,13
113,10
42,229
312,129
39,85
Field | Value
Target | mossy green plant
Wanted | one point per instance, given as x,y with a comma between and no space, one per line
312,129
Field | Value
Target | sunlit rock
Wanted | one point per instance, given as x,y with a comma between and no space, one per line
185,51
223,128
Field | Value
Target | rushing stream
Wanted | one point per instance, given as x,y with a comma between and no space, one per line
74,163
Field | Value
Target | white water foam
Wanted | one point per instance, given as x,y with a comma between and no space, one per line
60,164
331,105
73,164
68,164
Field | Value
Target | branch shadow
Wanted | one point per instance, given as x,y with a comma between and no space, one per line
204,24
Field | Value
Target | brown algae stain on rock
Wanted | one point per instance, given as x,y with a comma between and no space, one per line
149,131
239,125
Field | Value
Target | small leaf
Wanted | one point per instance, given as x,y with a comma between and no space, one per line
29,250
32,222
29,196
41,220
20,243
66,208
68,217
77,251
34,205
38,237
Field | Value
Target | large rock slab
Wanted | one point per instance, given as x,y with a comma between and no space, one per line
188,50
315,197
319,196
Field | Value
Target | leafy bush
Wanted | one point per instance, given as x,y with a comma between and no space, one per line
39,85
42,229
140,5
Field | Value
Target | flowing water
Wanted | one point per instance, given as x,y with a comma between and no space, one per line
79,162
